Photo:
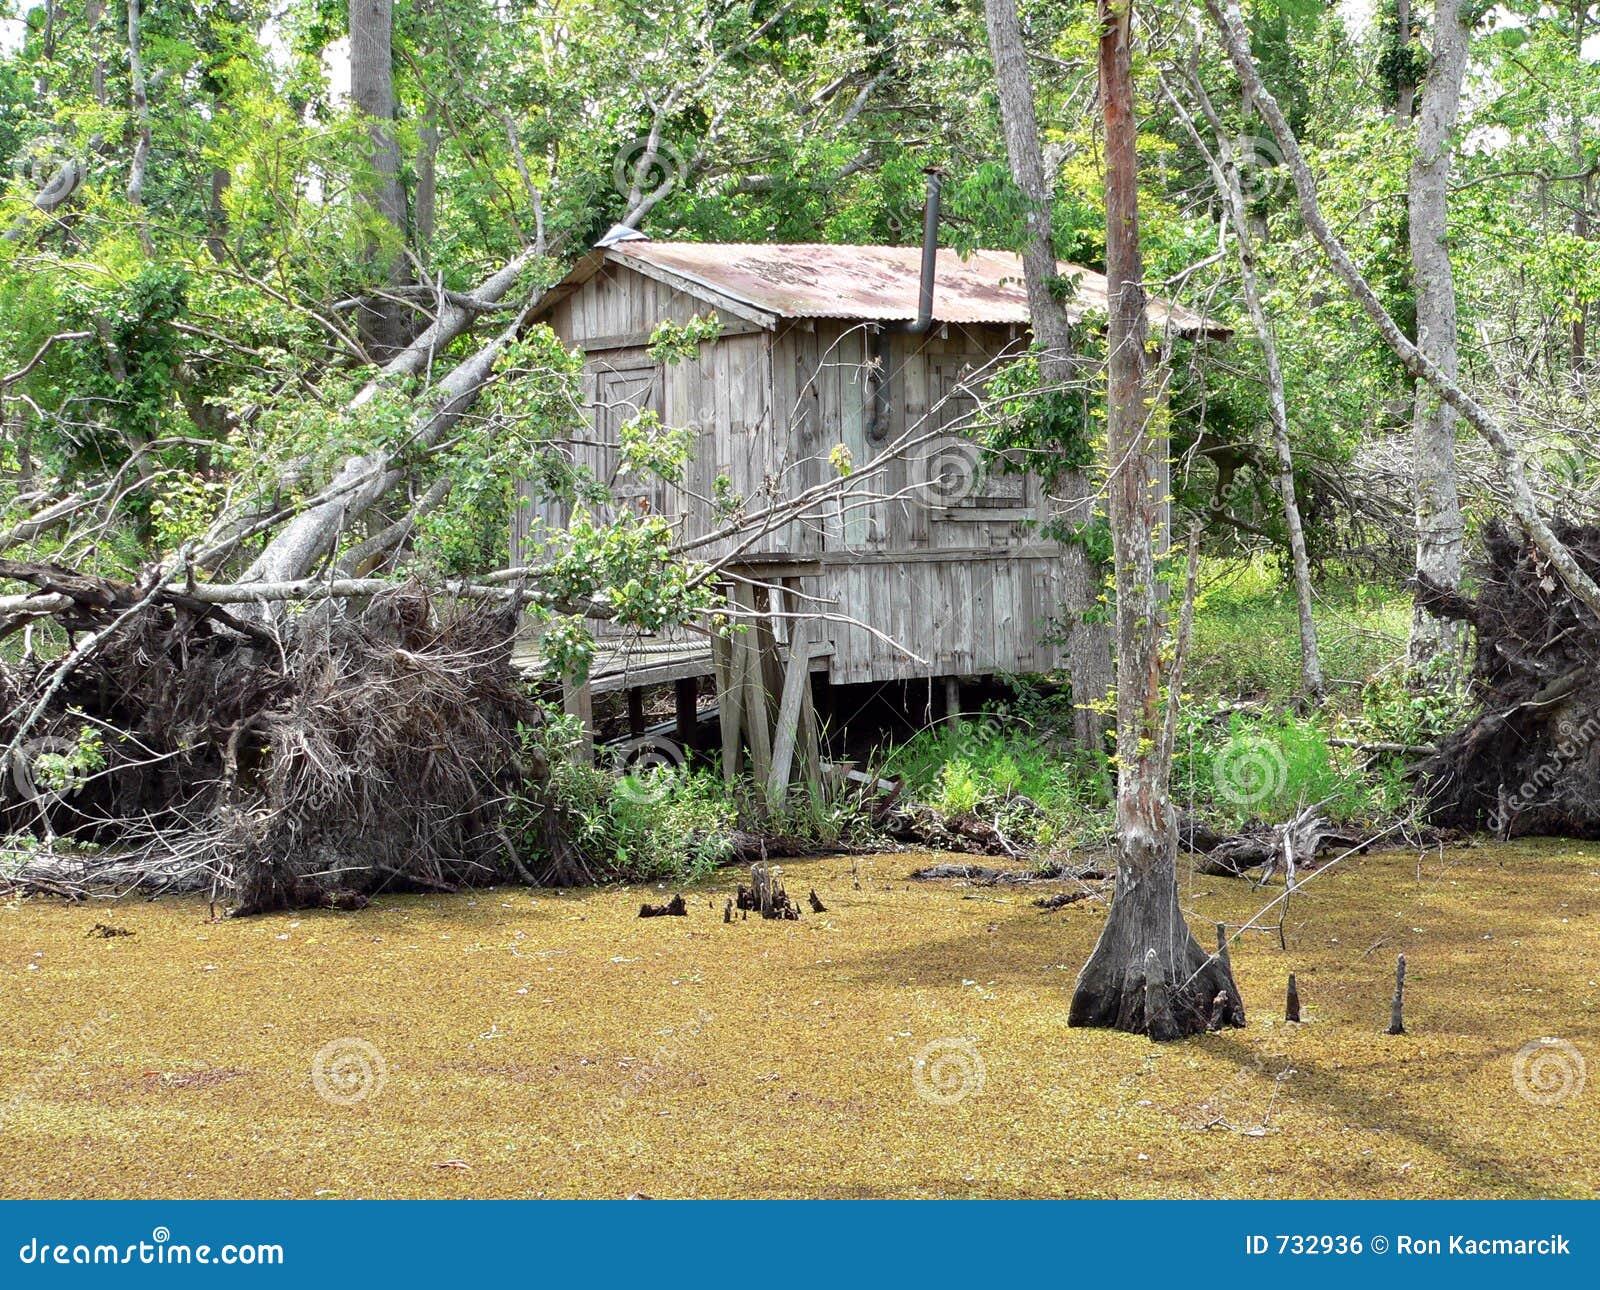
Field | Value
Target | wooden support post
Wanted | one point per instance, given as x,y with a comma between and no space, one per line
757,720
810,744
952,700
686,711
635,711
796,680
771,657
577,700
728,659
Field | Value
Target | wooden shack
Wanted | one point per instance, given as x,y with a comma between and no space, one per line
929,569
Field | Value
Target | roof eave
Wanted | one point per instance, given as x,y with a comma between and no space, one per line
737,305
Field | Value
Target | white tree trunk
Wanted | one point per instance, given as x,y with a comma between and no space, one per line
1089,644
1433,434
1225,177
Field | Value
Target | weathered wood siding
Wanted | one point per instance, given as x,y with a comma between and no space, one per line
955,572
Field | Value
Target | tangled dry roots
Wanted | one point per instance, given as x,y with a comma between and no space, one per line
351,751
1530,764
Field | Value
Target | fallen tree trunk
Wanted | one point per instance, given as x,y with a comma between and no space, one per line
1298,842
365,479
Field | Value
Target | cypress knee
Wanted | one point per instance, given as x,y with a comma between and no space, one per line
1397,1024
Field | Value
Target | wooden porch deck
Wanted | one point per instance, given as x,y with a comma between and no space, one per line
627,665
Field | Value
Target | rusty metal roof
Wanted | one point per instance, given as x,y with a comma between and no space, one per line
813,280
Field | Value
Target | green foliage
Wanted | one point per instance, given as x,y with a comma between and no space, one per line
664,823
67,771
1246,641
983,764
673,342
1414,706
1051,431
647,447
1402,59
1268,767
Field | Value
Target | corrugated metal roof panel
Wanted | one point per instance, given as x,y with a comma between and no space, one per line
815,280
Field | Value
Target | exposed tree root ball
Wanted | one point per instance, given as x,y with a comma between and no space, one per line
335,754
1530,764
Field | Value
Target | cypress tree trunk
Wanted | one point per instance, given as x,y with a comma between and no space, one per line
1146,951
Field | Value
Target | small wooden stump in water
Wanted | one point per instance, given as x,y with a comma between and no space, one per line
727,911
676,907
766,895
1397,1024
1291,1004
817,907
1231,1010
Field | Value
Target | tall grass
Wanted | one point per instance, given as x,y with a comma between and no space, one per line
1246,642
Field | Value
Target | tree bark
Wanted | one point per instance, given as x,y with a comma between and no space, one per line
1519,494
1581,223
141,116
1145,934
1405,89
1089,645
382,322
1433,434
427,193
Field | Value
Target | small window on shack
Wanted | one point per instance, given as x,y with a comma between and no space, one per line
960,479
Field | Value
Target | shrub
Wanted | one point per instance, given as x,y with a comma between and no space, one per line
660,823
979,763
1267,767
